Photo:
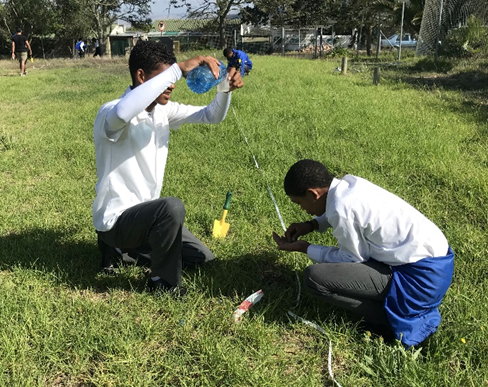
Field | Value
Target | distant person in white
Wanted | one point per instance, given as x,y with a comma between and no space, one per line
392,265
131,137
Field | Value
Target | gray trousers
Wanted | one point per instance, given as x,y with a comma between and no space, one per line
360,288
156,229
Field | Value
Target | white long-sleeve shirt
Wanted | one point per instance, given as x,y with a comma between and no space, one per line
132,144
370,222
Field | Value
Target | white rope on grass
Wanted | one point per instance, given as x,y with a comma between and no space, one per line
306,322
329,365
276,206
259,169
309,323
321,330
271,195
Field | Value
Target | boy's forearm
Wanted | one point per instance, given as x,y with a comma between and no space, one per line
189,64
213,113
143,95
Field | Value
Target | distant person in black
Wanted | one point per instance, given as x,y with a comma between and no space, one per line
96,44
20,45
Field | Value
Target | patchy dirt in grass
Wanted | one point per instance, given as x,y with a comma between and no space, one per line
110,65
469,80
473,83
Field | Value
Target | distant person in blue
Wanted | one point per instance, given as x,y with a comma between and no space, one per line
392,266
80,47
239,60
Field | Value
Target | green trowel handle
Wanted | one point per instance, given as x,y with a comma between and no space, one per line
227,200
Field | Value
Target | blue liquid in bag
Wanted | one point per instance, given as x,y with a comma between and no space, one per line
200,79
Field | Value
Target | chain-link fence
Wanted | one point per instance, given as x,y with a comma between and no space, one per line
442,16
311,41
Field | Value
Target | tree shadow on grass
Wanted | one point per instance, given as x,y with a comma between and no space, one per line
77,264
16,74
52,251
472,84
427,74
242,275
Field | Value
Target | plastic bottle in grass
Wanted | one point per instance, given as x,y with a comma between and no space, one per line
200,79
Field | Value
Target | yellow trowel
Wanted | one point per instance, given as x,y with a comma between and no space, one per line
220,227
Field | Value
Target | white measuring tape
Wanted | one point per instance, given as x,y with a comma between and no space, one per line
321,330
306,322
257,166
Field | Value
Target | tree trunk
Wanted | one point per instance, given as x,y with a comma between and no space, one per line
222,44
42,48
367,33
107,48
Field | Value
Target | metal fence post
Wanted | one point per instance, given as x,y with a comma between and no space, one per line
359,38
283,41
315,43
333,37
438,32
378,40
321,47
401,33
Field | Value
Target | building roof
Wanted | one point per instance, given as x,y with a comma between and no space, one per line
173,27
176,25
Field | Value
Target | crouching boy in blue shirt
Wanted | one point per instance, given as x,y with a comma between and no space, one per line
239,60
392,266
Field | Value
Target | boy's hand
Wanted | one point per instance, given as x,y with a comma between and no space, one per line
235,79
189,64
296,230
284,244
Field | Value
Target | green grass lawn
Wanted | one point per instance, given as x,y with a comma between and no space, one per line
62,323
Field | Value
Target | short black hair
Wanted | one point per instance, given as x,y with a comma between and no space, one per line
147,55
19,29
227,51
306,174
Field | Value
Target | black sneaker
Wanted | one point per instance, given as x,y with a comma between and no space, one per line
110,257
161,286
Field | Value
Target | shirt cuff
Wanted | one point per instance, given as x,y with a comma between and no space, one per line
323,223
314,252
225,94
176,71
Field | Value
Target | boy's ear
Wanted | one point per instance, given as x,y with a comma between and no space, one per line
312,193
140,76
316,193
